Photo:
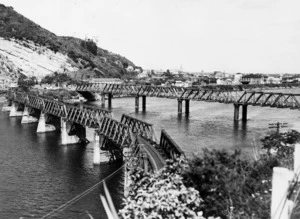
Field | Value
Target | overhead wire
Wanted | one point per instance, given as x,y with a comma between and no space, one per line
72,201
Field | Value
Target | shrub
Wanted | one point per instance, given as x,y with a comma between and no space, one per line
230,186
161,195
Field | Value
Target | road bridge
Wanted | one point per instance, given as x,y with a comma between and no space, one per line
228,95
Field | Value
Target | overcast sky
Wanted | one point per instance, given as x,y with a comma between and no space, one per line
261,36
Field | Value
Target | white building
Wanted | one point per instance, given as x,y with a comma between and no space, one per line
105,81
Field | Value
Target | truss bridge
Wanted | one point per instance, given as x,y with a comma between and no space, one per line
129,138
236,95
88,116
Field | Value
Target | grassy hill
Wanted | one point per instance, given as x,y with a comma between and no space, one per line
85,53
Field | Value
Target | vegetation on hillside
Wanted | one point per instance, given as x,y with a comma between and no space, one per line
59,78
83,52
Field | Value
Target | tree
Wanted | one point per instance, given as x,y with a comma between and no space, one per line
90,45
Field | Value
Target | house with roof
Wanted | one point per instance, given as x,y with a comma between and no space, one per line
252,79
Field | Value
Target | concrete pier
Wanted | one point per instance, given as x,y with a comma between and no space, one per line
244,113
42,126
137,102
179,106
27,118
6,108
144,103
100,156
109,99
65,137
96,158
187,106
14,111
236,112
103,99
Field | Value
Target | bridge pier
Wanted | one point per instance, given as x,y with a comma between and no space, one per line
244,113
137,102
236,112
96,158
179,106
99,155
187,106
42,126
65,137
144,103
14,111
103,99
7,106
27,118
109,99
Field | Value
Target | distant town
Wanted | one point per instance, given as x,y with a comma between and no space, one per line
157,77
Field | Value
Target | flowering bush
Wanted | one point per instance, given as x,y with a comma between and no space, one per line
161,195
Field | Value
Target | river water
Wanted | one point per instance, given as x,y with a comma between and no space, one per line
37,174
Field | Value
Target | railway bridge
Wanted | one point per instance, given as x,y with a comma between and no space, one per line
227,95
129,139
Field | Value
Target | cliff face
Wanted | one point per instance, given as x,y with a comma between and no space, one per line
35,51
25,57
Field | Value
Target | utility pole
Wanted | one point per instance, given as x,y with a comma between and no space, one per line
277,125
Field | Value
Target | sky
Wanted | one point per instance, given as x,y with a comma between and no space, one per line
249,36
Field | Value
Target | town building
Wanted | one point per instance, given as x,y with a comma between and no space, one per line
105,80
253,79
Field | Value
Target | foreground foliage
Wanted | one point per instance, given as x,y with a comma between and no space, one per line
161,195
219,183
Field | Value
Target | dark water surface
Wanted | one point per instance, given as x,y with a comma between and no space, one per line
37,174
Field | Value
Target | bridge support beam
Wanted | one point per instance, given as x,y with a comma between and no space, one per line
244,113
179,106
14,111
27,118
65,137
187,106
42,126
127,181
103,99
236,112
100,156
144,103
137,102
109,99
96,159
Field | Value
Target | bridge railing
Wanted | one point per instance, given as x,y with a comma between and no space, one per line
280,100
139,127
169,146
84,115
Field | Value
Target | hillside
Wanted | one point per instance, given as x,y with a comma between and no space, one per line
34,49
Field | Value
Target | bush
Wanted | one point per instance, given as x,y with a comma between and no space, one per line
161,195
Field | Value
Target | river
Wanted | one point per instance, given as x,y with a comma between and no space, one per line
38,174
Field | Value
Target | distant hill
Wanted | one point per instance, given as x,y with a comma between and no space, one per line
36,49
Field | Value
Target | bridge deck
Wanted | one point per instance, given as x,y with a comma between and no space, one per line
156,159
221,95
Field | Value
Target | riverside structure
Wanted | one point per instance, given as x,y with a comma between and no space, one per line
228,96
131,139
